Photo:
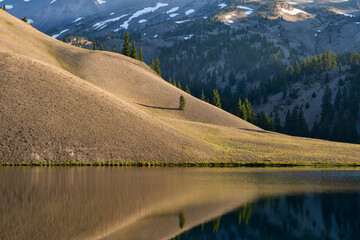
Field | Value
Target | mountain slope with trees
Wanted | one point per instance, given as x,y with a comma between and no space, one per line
62,103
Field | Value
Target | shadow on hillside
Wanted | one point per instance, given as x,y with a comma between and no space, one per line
252,130
163,108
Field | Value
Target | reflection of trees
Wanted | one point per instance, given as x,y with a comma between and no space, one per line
245,213
323,216
216,224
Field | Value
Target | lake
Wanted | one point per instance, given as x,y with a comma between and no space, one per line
180,203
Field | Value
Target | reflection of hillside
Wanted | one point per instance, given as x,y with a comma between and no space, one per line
158,203
320,216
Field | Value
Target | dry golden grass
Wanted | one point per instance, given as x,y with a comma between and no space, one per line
63,103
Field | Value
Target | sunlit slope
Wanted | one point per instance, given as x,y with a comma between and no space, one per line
121,76
63,103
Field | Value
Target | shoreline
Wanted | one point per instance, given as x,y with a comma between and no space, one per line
186,164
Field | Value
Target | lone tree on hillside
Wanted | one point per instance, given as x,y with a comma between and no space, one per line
101,47
203,96
134,52
94,47
216,98
126,45
4,8
182,103
141,55
25,19
117,49
157,67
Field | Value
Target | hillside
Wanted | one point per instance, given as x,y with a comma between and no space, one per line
63,103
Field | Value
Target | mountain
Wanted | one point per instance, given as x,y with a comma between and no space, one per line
63,103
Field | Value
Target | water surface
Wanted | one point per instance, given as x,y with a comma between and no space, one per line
161,203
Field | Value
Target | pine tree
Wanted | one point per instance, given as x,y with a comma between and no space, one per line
117,49
25,19
134,52
203,96
170,81
187,89
216,98
101,47
288,125
174,83
182,103
241,111
126,46
326,106
277,122
141,55
157,67
94,47
251,118
179,85
152,65
4,8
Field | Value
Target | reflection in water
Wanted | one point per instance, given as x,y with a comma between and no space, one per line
318,216
160,203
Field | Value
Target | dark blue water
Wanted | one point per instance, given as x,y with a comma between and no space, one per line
310,216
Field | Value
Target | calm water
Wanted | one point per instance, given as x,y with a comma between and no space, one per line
155,203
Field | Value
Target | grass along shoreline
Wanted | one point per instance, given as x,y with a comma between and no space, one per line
183,164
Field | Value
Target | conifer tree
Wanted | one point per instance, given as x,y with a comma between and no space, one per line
117,49
182,103
25,19
241,111
126,46
179,85
101,47
157,67
187,89
174,83
251,118
170,81
216,98
152,65
134,52
203,96
94,47
4,8
141,55
277,122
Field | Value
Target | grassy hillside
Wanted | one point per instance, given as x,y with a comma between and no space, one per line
62,103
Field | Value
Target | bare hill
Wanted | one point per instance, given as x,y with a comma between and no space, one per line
62,103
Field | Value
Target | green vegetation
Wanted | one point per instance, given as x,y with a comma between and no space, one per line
126,46
141,55
134,53
157,67
216,101
182,103
25,19
181,220
4,7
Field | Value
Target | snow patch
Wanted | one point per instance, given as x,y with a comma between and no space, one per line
188,37
103,24
57,35
190,11
248,10
179,22
26,0
8,7
228,16
111,14
78,19
125,25
52,1
222,5
142,20
175,9
156,36
100,2
173,15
